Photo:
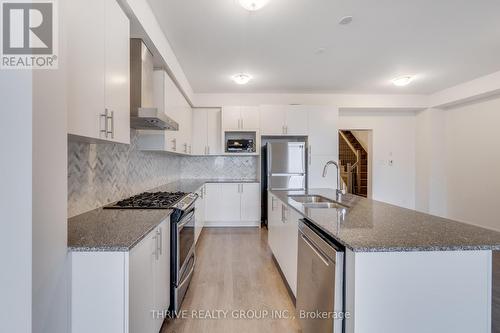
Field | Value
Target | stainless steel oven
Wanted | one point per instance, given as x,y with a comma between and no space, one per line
182,253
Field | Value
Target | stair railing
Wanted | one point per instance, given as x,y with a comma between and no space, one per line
350,168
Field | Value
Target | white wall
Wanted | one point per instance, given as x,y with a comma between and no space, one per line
461,162
50,259
393,138
15,201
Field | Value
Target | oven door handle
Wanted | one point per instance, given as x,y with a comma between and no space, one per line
188,274
186,220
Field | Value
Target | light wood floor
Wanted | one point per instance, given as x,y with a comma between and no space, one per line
235,272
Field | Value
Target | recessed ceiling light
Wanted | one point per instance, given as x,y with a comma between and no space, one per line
403,80
320,50
241,78
345,20
253,5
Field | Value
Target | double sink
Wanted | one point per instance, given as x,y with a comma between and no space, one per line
317,201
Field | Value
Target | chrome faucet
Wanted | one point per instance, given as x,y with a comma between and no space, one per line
339,184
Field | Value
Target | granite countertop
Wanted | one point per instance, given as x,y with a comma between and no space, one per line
373,226
121,229
192,185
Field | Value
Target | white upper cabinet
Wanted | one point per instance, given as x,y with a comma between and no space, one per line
272,119
250,117
206,132
231,117
240,118
168,99
296,120
98,70
214,132
284,120
200,136
323,130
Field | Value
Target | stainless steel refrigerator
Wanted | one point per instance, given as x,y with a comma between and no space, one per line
286,165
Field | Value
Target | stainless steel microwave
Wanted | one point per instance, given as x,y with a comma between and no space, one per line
240,146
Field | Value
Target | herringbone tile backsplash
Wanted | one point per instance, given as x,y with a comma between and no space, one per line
102,173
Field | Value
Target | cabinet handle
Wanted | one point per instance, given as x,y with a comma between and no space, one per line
112,124
174,144
310,154
155,253
105,116
160,240
272,204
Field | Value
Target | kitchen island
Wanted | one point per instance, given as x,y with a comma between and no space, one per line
404,271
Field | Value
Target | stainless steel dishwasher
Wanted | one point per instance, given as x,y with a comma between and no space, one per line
319,283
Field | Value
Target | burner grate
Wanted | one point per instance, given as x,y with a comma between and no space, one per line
153,200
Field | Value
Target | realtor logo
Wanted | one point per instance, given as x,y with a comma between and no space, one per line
29,34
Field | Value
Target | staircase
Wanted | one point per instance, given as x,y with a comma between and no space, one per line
347,155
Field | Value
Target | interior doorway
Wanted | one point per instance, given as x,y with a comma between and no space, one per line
355,157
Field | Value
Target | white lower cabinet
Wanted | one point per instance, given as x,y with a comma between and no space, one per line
199,213
232,204
283,238
116,292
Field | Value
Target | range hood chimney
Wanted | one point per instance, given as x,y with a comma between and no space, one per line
143,114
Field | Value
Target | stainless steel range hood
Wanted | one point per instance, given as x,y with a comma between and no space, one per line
143,114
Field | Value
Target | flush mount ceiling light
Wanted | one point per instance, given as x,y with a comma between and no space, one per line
241,78
345,20
402,81
253,5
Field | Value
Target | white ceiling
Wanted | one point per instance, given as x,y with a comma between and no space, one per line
443,42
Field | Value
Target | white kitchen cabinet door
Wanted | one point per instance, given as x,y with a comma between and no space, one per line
290,248
86,67
323,130
199,213
231,117
250,202
230,203
214,132
162,272
297,120
163,88
117,71
98,70
200,134
142,263
273,221
317,163
213,202
250,117
272,119
184,134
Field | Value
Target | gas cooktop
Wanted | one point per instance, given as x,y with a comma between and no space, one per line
151,200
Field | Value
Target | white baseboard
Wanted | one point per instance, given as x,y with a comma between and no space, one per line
235,224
